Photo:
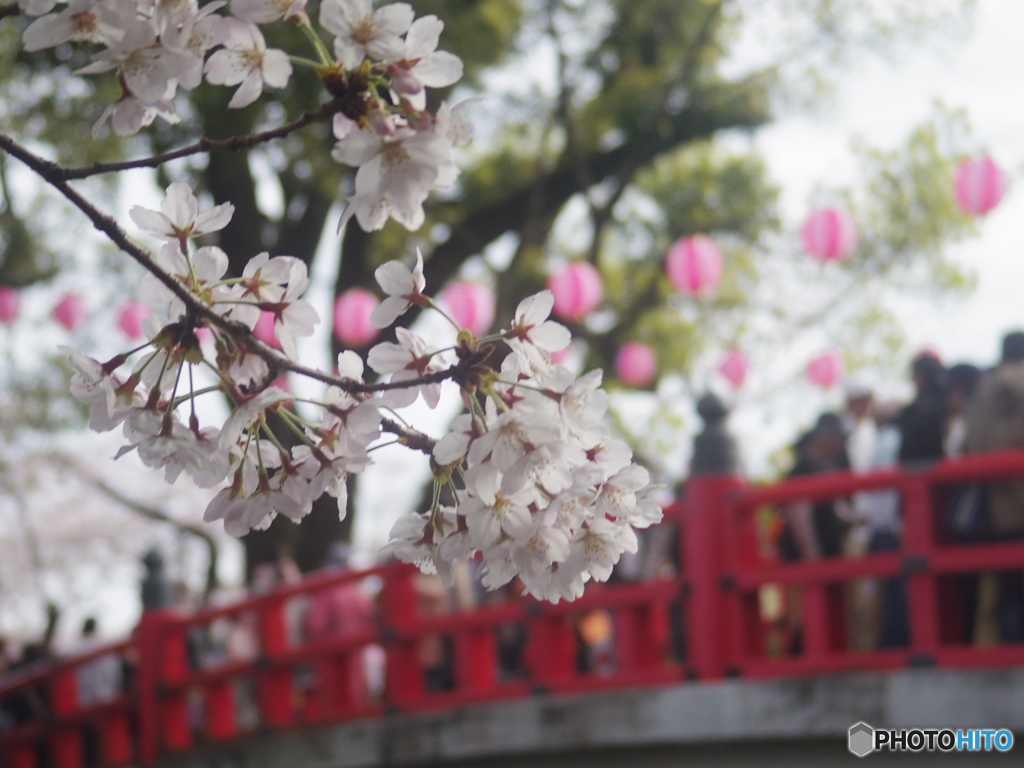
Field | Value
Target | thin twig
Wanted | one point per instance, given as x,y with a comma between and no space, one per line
234,144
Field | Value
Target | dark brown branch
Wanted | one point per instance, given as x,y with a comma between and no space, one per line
9,9
275,360
234,144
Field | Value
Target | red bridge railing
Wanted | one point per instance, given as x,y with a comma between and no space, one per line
706,623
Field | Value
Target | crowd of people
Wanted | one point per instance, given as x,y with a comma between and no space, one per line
955,411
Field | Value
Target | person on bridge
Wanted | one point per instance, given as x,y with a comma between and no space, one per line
922,423
996,422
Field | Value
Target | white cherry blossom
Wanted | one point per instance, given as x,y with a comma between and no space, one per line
179,217
246,60
396,173
408,360
404,287
422,64
85,21
361,32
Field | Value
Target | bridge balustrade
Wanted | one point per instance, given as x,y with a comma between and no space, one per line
706,623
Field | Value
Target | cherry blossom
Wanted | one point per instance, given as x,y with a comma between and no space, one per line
404,287
246,59
362,32
85,21
408,360
422,64
179,218
396,173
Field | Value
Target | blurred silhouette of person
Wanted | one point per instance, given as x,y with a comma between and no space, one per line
922,423
962,382
996,422
818,529
157,591
99,680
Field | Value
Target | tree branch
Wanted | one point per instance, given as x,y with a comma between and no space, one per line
276,360
234,144
9,9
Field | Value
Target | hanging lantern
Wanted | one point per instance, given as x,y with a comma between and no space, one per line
264,330
578,290
471,305
980,185
826,370
829,234
694,265
71,311
10,304
636,364
130,320
734,367
352,325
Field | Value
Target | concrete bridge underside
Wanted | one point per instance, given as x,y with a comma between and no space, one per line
791,722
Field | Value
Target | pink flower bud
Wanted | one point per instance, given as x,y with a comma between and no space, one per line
578,290
352,325
636,364
205,336
264,330
71,311
10,304
471,305
980,185
826,370
694,265
829,234
130,321
734,367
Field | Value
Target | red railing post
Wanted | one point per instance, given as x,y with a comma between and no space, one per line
66,740
918,546
404,676
148,681
710,497
273,681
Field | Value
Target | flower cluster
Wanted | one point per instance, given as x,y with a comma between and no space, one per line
544,491
539,486
401,150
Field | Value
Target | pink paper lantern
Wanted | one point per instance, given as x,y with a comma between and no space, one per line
734,367
10,304
71,311
694,265
130,321
980,185
578,290
636,364
352,325
829,234
471,305
264,330
826,370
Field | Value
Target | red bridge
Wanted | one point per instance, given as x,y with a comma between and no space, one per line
706,624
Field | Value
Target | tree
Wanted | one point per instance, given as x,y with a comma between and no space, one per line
606,157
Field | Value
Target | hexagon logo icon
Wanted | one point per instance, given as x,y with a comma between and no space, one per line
861,739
